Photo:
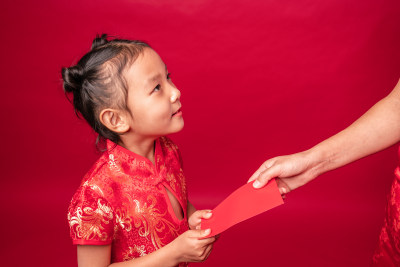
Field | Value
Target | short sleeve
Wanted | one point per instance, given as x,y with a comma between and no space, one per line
90,218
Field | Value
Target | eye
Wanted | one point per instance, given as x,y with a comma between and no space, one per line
157,88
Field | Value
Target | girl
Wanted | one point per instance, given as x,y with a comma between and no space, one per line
131,208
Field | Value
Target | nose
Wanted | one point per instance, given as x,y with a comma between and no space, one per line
175,95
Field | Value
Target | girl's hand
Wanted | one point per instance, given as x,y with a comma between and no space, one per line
190,248
195,219
291,171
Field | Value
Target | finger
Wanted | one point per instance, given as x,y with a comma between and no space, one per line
282,186
195,219
217,237
200,233
203,214
267,164
210,239
206,214
255,175
206,241
267,175
207,252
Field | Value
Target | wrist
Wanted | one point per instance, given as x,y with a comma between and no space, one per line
317,162
173,253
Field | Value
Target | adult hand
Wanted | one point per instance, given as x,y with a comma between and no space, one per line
291,171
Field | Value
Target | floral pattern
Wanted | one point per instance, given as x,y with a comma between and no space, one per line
88,223
121,202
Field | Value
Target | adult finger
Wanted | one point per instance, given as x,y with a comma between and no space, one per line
267,175
283,187
267,164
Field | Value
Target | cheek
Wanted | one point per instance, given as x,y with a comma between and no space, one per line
163,110
154,113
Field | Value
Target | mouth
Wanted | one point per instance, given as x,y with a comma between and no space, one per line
178,112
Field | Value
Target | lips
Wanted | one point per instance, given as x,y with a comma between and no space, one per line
176,112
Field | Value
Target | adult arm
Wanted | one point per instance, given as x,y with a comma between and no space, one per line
377,129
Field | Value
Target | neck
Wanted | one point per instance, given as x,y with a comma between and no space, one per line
141,146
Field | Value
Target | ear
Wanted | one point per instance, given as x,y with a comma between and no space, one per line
114,120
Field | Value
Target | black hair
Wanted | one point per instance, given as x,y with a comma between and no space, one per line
96,81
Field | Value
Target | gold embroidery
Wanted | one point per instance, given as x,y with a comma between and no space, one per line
97,189
111,161
169,144
132,250
181,177
89,222
151,222
124,221
170,177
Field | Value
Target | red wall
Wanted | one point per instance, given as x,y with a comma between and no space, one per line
258,79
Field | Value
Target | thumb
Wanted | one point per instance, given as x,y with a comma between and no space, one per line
255,175
198,215
265,176
202,233
265,166
206,214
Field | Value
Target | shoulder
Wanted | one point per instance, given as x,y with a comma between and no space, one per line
171,150
93,183
97,168
90,216
90,212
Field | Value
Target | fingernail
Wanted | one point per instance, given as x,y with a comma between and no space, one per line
207,232
208,215
283,190
256,184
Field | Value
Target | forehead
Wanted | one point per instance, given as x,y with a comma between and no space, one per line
146,66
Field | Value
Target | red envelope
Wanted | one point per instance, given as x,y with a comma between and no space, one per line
241,205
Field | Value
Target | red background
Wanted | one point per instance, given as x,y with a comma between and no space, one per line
258,79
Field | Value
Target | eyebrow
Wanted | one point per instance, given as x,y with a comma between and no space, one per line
155,77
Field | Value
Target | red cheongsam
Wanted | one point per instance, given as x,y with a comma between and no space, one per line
387,253
123,201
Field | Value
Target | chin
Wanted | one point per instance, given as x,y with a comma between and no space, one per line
177,129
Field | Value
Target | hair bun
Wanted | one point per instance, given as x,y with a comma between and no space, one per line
73,78
99,41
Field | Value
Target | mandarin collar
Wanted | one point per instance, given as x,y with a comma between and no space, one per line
137,166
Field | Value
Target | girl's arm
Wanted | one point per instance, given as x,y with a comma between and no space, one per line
185,248
190,209
377,129
94,256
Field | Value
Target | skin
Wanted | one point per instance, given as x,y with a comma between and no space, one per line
154,104
376,130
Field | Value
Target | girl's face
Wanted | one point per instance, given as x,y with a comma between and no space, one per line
153,99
